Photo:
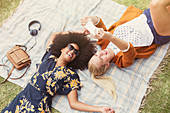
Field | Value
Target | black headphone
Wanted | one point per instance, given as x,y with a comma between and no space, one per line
34,32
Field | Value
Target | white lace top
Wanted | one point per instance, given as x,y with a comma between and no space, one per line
135,31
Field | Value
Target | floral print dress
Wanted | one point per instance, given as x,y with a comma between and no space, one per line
48,80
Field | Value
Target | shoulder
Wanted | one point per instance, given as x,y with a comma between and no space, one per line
47,53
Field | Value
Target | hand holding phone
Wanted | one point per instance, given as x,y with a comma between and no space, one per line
91,28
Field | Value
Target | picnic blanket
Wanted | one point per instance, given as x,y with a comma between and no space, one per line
64,15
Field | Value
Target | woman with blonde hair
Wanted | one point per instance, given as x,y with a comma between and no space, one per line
137,38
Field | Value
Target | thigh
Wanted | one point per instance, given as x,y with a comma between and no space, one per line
160,16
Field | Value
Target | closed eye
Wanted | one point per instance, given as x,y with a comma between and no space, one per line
101,59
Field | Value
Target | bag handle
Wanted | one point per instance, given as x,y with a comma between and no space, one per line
21,75
22,46
9,74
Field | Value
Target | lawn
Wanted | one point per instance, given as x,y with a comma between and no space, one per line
159,93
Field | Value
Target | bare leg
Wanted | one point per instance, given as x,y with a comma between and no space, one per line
160,13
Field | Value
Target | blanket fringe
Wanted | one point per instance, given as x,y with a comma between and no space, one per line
154,77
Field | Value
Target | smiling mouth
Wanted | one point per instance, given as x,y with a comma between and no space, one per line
105,52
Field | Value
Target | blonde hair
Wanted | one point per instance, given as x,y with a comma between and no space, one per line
105,82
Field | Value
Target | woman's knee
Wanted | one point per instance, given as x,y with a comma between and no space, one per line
156,3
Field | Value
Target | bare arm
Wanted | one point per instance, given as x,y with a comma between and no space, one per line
75,104
121,44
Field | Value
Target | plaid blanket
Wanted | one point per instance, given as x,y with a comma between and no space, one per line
58,15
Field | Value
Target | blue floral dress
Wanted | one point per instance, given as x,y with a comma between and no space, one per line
45,83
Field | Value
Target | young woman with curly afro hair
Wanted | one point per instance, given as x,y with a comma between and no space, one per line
65,52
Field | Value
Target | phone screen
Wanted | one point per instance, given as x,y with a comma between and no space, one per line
91,28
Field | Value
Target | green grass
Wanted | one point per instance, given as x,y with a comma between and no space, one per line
141,4
8,91
7,8
156,102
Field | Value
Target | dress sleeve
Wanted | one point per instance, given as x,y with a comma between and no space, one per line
45,56
47,53
72,82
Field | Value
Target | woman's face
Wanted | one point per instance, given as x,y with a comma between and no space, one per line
70,52
102,57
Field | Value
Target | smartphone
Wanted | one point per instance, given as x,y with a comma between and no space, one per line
91,28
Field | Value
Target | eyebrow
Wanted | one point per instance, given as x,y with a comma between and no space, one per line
99,58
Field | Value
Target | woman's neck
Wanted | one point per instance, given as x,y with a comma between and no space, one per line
60,62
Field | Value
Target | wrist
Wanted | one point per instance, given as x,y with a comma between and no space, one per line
101,109
125,50
95,20
110,36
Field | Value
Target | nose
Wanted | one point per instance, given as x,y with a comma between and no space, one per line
101,53
72,51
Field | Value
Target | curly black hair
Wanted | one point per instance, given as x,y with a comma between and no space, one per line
86,48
